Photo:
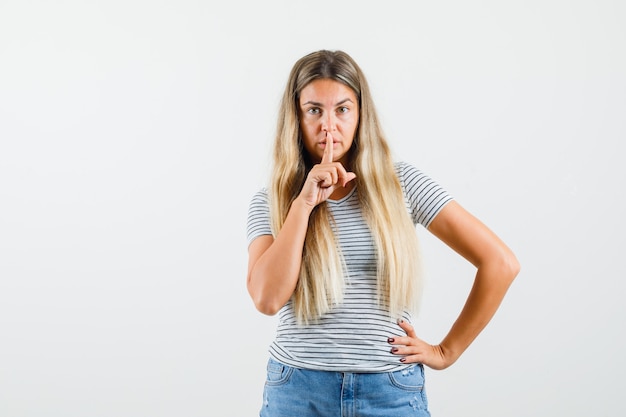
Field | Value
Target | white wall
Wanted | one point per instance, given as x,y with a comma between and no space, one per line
133,134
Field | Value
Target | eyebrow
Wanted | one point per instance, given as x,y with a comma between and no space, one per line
315,103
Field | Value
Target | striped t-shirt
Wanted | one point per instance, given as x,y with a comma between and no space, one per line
352,337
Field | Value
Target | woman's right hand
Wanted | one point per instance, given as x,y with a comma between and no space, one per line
325,177
274,263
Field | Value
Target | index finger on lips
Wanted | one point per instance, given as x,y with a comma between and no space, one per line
327,157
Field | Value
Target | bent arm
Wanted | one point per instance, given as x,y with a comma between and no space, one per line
496,266
274,264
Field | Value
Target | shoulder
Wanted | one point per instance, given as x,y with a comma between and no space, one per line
407,172
424,195
261,196
260,201
402,166
258,222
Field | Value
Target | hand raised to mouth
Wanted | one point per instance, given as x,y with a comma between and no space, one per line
325,177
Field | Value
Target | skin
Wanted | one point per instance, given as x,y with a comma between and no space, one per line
329,113
274,264
496,268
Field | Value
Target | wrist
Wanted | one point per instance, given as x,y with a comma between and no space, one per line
448,354
300,204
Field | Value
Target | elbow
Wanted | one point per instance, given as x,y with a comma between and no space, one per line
267,307
265,300
510,267
500,269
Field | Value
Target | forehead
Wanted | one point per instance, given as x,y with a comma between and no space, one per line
326,91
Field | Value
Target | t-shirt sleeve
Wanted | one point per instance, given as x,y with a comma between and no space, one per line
424,197
258,216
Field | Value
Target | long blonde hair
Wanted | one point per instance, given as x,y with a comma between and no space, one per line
321,281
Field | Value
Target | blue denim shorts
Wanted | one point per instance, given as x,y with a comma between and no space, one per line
294,392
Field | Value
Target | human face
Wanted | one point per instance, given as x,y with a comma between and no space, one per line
328,107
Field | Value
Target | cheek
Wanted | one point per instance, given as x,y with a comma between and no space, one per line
353,125
305,132
309,126
306,138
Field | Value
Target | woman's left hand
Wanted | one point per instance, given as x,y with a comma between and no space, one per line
412,349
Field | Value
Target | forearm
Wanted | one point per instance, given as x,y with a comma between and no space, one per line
490,286
273,277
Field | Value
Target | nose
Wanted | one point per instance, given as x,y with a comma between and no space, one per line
329,124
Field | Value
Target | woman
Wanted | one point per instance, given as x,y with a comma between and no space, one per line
333,250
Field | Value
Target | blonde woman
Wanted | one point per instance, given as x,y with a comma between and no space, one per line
333,250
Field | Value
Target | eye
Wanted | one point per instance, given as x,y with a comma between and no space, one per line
313,110
343,109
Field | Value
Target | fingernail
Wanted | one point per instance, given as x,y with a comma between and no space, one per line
390,340
403,360
400,321
394,350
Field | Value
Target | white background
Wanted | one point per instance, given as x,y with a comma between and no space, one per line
134,133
